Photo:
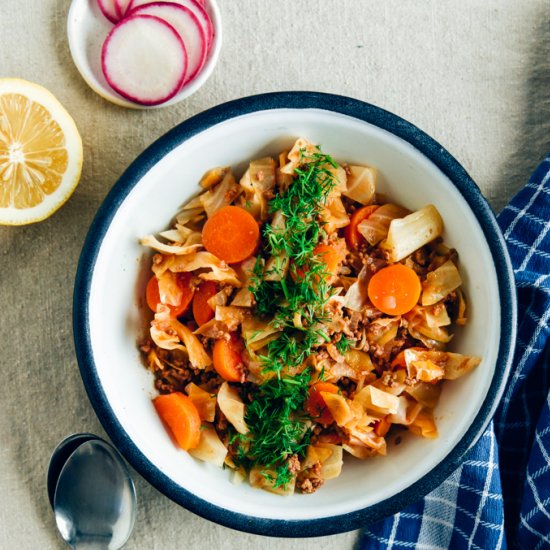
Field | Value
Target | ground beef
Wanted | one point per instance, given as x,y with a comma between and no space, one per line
451,303
221,425
371,313
347,386
355,319
310,480
354,260
146,346
293,464
173,380
421,256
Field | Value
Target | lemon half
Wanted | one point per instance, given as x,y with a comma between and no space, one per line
40,153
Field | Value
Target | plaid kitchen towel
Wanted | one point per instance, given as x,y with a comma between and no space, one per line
500,496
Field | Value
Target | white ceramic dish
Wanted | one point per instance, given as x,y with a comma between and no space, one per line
108,319
87,28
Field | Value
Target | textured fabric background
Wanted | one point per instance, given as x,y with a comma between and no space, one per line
475,74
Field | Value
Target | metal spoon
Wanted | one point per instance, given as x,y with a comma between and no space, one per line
94,499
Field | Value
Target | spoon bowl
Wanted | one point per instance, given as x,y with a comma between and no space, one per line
60,455
94,500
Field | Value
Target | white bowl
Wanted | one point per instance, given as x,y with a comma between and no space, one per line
414,170
87,29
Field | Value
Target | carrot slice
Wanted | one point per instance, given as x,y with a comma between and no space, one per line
382,427
315,405
395,289
326,254
329,256
231,234
227,358
152,294
179,414
202,312
351,233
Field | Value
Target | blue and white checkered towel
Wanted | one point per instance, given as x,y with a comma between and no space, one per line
500,496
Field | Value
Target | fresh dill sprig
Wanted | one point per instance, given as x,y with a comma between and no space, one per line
304,291
300,206
283,476
344,344
295,305
278,431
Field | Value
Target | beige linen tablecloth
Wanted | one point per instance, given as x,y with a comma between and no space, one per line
472,73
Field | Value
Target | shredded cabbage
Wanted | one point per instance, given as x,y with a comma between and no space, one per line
155,244
425,394
406,413
357,296
169,291
230,316
461,314
331,466
245,298
264,478
376,401
317,453
221,272
361,183
213,329
168,333
197,354
338,407
424,425
221,195
204,401
440,283
334,214
369,439
210,448
232,407
257,184
376,226
257,333
454,365
408,234
213,176
359,451
301,148
190,215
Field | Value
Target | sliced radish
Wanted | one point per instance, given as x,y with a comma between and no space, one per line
188,27
108,9
121,7
195,6
144,59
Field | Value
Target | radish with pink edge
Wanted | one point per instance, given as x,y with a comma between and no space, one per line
188,27
108,9
121,8
144,59
194,5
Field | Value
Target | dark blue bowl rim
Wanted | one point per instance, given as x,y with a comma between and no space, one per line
293,100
